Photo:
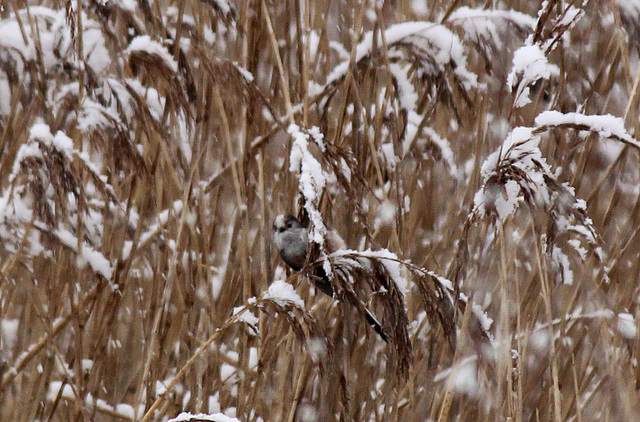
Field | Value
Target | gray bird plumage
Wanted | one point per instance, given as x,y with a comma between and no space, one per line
292,241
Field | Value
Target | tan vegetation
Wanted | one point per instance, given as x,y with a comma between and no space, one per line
145,148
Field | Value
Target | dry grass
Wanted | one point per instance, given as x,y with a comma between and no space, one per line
129,238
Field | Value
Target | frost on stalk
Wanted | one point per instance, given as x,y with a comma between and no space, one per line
281,299
427,63
517,173
606,126
408,102
434,44
483,26
530,62
311,177
45,191
247,317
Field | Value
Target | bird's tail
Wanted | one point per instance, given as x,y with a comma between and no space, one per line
371,319
322,282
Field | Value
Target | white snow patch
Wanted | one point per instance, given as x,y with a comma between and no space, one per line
605,125
529,65
213,417
627,326
8,336
283,293
144,43
464,378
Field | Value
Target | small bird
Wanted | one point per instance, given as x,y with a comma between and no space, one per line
292,240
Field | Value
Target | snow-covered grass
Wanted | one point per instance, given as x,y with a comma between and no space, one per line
480,164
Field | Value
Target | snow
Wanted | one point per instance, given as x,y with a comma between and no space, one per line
128,5
317,348
627,326
441,43
561,264
216,285
227,371
519,149
464,378
247,316
213,403
94,116
606,126
389,155
386,214
483,23
95,259
161,219
530,64
485,321
54,390
283,294
8,336
244,72
311,178
223,5
125,410
40,132
630,7
87,365
392,264
56,45
58,388
144,43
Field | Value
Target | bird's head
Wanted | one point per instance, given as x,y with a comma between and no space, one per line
285,222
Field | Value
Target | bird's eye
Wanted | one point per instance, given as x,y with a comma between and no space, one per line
289,225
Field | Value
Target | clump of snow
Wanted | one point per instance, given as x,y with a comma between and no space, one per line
317,348
464,378
487,24
606,126
244,72
87,365
311,178
213,403
127,411
390,260
58,388
438,41
560,262
94,116
519,150
214,417
631,7
95,259
283,293
485,321
386,214
246,316
539,340
8,336
144,43
627,326
65,391
530,64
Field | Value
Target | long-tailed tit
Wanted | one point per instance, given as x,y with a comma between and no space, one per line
292,240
